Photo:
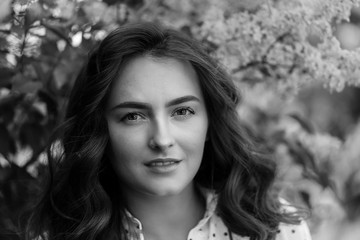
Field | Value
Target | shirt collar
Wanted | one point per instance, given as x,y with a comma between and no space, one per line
134,226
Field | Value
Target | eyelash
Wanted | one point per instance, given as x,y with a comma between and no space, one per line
125,118
189,111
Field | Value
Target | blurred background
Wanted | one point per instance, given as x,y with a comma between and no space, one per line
296,63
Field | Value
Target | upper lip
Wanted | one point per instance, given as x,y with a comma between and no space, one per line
162,160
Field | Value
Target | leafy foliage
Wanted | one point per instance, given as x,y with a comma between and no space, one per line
285,43
276,49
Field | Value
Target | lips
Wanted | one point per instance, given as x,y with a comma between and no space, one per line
162,162
163,166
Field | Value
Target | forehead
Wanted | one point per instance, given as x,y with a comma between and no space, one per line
146,78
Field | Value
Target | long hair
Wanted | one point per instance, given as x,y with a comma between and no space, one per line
82,200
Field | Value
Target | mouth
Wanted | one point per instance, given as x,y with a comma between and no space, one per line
163,162
163,165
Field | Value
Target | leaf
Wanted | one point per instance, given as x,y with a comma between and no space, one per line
134,3
28,87
94,11
66,8
112,2
32,134
5,9
49,48
21,84
3,42
8,105
130,3
56,32
16,190
65,73
6,75
7,145
5,172
17,30
34,12
60,76
51,103
49,3
304,123
22,2
243,5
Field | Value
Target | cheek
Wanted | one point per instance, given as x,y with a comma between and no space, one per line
125,145
194,139
124,155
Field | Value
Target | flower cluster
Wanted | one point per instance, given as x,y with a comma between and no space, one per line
286,43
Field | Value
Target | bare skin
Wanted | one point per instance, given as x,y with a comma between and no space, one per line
166,216
157,123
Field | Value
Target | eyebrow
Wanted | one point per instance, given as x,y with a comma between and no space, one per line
142,105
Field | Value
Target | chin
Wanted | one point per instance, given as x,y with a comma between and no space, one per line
164,191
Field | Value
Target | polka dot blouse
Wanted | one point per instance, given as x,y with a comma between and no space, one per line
211,227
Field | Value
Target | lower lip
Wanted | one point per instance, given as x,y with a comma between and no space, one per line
166,168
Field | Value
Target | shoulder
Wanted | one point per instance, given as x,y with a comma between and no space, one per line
293,232
286,232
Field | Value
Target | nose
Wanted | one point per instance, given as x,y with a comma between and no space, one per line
161,137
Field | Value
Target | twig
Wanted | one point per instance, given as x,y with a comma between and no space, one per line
268,3
58,33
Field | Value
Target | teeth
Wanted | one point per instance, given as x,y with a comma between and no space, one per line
160,164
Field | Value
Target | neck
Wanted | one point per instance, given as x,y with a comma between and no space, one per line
164,216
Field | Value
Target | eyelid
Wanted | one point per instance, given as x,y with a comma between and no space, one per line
123,118
191,110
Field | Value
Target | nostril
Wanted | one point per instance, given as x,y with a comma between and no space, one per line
160,144
161,136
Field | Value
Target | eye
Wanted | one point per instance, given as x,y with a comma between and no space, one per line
133,117
183,112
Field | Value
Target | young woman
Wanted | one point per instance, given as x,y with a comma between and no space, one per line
152,148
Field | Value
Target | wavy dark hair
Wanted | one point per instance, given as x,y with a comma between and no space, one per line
82,198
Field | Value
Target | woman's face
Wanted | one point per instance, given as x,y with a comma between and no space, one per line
157,124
